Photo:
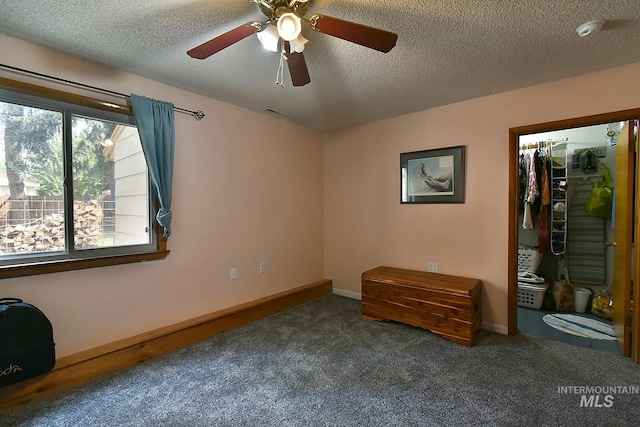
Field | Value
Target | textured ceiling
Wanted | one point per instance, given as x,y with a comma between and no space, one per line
447,51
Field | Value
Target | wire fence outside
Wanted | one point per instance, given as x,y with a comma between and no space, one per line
37,224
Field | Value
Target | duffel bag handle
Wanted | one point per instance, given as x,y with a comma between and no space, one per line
10,300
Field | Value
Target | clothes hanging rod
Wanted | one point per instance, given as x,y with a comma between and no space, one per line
525,145
198,115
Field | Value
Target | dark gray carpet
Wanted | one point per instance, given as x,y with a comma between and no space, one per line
320,364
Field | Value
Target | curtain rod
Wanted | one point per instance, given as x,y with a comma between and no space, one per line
198,115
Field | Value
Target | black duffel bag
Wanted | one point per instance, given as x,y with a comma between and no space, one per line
26,342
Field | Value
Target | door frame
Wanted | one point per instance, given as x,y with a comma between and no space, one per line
514,188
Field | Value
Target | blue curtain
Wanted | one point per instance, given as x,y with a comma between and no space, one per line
156,127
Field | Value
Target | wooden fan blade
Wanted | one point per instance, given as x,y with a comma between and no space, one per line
363,35
297,67
223,41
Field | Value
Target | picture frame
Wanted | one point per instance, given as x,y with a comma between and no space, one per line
433,176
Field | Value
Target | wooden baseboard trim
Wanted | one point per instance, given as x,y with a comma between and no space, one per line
87,366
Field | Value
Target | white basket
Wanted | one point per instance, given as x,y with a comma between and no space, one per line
528,259
531,296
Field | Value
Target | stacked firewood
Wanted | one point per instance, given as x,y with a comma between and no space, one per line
87,219
47,234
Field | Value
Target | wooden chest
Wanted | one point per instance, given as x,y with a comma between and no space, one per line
446,305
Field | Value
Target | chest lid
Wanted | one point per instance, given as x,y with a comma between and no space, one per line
423,279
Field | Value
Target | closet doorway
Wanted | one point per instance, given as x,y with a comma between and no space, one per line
566,165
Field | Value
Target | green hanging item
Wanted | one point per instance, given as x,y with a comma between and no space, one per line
600,201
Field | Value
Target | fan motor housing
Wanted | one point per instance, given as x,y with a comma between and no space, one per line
273,9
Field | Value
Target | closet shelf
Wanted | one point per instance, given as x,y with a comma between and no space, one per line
586,176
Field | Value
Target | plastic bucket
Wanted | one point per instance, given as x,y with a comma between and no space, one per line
581,299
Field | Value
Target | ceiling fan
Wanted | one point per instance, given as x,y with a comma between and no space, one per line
284,23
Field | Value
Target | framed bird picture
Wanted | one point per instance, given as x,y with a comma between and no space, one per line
433,176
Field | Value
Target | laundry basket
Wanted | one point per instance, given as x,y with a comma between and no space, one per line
528,259
531,295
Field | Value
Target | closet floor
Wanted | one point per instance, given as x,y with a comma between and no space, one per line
530,323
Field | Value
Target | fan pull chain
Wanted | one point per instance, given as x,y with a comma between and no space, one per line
280,73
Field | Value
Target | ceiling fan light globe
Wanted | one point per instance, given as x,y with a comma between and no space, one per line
269,38
297,45
289,26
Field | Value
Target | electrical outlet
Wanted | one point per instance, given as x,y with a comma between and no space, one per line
233,274
263,267
432,267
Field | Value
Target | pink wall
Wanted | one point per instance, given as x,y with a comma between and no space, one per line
242,196
366,225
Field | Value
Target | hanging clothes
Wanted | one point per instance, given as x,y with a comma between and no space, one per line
523,175
544,233
537,162
527,217
527,220
532,183
545,184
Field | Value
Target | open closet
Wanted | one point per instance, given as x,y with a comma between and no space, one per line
566,234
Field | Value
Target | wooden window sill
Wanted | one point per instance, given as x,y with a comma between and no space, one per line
78,264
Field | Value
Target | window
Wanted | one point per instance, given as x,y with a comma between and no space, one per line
102,213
